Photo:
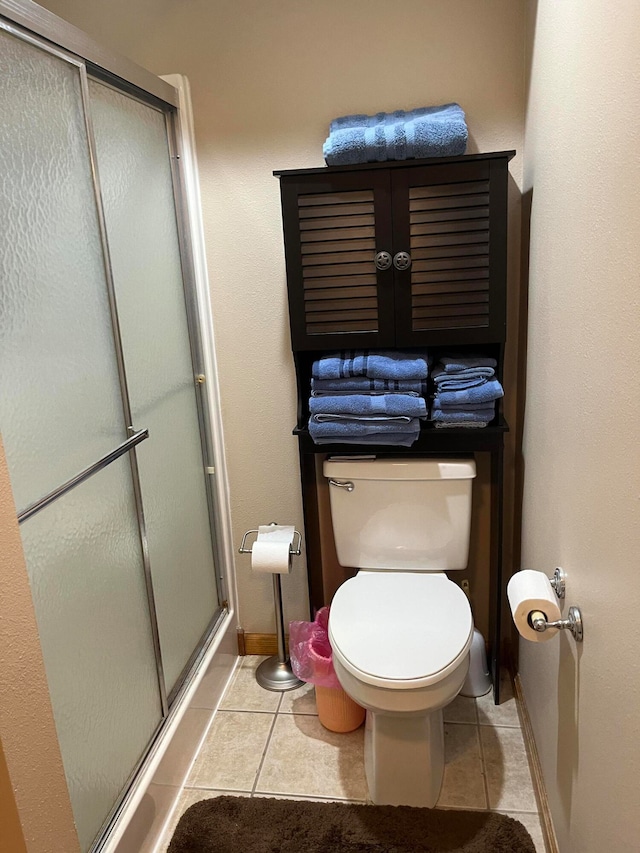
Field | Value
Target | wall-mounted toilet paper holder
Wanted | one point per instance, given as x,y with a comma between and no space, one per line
538,621
275,673
559,582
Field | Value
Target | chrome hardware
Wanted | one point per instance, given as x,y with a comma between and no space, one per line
402,261
383,260
119,451
294,551
342,484
538,621
201,378
559,582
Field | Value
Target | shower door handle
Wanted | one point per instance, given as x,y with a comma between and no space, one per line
119,451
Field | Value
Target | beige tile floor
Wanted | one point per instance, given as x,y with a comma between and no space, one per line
271,744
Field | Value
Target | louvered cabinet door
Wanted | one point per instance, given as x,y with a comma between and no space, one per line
334,225
451,219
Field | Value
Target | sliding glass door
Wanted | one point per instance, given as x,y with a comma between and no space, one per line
137,191
99,411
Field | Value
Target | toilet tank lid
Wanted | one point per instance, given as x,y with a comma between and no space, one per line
351,468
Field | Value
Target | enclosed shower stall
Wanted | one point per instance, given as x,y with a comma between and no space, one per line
102,411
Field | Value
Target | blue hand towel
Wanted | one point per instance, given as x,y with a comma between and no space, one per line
361,404
454,364
439,133
363,385
481,394
374,365
477,416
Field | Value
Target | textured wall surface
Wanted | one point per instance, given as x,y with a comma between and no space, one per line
582,476
27,732
266,79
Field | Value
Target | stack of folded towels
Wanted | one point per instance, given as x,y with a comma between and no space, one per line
368,398
424,132
466,391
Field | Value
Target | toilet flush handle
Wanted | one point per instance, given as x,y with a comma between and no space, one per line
342,484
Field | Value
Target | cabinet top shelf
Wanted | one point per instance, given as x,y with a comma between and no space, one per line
395,164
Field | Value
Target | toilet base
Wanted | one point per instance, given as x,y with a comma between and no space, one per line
404,758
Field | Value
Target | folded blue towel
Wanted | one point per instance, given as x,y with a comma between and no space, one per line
465,424
342,430
477,415
361,404
439,133
482,393
374,365
390,438
466,407
455,364
459,384
448,381
363,385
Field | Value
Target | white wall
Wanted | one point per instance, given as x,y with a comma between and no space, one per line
582,475
266,77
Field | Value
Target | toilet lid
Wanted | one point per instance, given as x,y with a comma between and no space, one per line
392,628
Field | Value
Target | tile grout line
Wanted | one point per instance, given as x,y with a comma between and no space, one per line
264,753
485,778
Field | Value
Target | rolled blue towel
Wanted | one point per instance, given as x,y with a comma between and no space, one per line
361,120
361,404
477,416
481,394
374,365
363,385
455,364
442,132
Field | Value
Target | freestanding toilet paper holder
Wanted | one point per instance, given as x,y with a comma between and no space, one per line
275,673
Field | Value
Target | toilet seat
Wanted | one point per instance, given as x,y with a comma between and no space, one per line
400,630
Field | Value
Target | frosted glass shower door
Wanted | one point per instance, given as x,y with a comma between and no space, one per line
137,189
60,412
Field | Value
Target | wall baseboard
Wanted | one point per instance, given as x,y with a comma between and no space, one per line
259,644
546,823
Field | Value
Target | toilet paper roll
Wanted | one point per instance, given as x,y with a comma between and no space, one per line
530,590
271,552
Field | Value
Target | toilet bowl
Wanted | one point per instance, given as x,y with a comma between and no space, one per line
401,632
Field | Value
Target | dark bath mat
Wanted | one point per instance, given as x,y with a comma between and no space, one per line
244,825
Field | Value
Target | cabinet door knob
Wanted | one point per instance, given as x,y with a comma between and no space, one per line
402,261
383,260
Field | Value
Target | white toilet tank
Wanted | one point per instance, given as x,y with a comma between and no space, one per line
401,513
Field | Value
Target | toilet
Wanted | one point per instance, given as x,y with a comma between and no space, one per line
400,630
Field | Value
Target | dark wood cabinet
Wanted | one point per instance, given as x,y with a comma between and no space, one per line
399,255
441,226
